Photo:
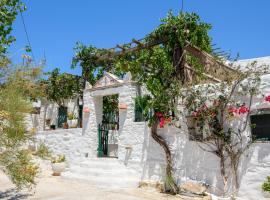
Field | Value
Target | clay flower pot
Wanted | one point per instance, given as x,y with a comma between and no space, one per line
122,106
58,168
86,110
73,123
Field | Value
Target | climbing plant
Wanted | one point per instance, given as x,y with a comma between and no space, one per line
221,115
158,63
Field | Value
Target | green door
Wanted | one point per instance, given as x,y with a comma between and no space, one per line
62,116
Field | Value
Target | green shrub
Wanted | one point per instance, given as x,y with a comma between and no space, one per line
59,159
20,169
43,151
266,184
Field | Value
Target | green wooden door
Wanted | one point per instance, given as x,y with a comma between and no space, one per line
62,116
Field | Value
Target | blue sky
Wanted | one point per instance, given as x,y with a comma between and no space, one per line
54,26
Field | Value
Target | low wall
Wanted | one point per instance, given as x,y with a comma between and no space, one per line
68,142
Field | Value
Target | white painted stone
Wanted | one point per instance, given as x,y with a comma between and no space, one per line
139,152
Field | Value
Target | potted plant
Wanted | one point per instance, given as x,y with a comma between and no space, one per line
58,165
72,120
65,125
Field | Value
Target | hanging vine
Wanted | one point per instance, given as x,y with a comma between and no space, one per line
156,62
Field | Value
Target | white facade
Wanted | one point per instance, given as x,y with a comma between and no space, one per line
136,148
49,110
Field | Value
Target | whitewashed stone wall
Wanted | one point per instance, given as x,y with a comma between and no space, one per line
51,110
147,157
68,142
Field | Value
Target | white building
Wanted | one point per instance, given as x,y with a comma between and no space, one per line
131,144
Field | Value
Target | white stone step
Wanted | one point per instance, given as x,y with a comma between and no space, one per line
119,171
103,172
116,182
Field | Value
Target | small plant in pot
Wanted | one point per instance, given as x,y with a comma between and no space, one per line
58,165
72,120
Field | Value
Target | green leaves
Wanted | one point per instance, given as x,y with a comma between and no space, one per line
59,87
8,12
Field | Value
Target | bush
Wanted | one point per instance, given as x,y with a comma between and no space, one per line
266,184
59,159
43,151
21,170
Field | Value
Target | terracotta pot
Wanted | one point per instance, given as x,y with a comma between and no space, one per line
86,110
65,125
122,106
58,168
266,194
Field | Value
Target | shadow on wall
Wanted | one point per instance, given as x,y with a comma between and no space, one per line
189,161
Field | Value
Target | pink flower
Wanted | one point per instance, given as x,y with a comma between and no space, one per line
195,114
267,98
232,110
243,109
161,122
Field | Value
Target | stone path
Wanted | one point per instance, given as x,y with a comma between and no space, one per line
57,188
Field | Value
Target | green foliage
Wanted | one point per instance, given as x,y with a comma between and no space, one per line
43,151
59,159
60,87
266,185
141,108
71,116
180,29
15,95
8,12
20,168
159,68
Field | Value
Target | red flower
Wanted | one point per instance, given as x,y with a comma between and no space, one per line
159,114
267,98
243,109
161,122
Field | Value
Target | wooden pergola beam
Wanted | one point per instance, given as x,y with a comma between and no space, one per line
204,74
139,47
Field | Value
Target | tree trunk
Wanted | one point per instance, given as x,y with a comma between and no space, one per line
173,186
223,173
234,167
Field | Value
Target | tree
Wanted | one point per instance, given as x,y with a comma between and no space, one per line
158,62
17,88
15,95
8,12
60,87
215,107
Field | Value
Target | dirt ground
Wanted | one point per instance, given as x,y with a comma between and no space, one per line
55,188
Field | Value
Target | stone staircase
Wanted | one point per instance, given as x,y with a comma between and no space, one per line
103,172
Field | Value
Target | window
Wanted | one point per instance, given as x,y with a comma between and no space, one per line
260,127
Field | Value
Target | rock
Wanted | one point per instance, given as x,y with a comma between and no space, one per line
193,187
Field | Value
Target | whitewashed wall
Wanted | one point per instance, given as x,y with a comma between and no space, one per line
68,142
146,156
51,109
